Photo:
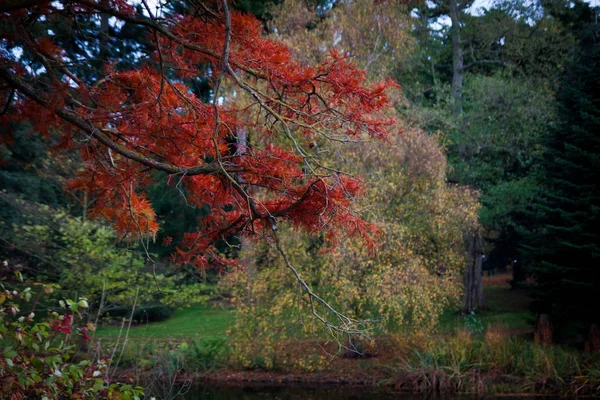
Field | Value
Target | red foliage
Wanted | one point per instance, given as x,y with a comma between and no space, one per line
84,333
145,119
63,325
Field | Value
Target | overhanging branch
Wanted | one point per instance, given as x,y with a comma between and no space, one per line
103,138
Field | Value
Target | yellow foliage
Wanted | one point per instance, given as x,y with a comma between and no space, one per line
414,275
416,272
376,35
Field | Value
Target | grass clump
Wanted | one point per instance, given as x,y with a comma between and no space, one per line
494,363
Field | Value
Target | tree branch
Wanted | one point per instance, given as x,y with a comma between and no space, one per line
345,325
149,23
103,138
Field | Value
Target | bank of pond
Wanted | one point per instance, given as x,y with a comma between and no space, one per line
494,352
488,364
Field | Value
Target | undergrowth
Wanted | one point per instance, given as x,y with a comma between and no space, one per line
493,363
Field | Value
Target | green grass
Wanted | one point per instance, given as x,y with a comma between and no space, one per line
503,307
200,322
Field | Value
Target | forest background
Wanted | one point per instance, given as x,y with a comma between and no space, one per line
492,170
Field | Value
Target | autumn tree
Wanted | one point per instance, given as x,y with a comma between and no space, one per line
247,155
415,275
375,34
416,272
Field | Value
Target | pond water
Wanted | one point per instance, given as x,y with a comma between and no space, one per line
297,392
204,391
293,393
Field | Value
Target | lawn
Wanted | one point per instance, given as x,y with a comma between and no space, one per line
201,322
504,308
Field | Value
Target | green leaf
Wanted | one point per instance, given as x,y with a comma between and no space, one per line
9,352
36,377
38,364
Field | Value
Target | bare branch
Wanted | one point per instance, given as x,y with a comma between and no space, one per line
343,325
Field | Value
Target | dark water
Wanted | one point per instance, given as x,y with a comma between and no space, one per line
298,392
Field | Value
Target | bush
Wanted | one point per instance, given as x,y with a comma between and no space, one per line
412,278
153,314
205,355
83,258
143,315
38,353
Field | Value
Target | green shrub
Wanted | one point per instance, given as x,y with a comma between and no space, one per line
38,354
84,258
142,315
206,354
153,314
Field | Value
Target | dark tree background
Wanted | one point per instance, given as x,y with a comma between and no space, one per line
564,242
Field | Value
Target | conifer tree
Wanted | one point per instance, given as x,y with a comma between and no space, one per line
565,240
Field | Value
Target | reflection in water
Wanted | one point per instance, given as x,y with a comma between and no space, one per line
294,393
297,392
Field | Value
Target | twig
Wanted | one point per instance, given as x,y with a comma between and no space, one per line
345,325
126,333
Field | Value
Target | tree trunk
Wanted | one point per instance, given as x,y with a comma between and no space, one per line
457,59
473,279
103,55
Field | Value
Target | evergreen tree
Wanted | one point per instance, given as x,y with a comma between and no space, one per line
565,240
